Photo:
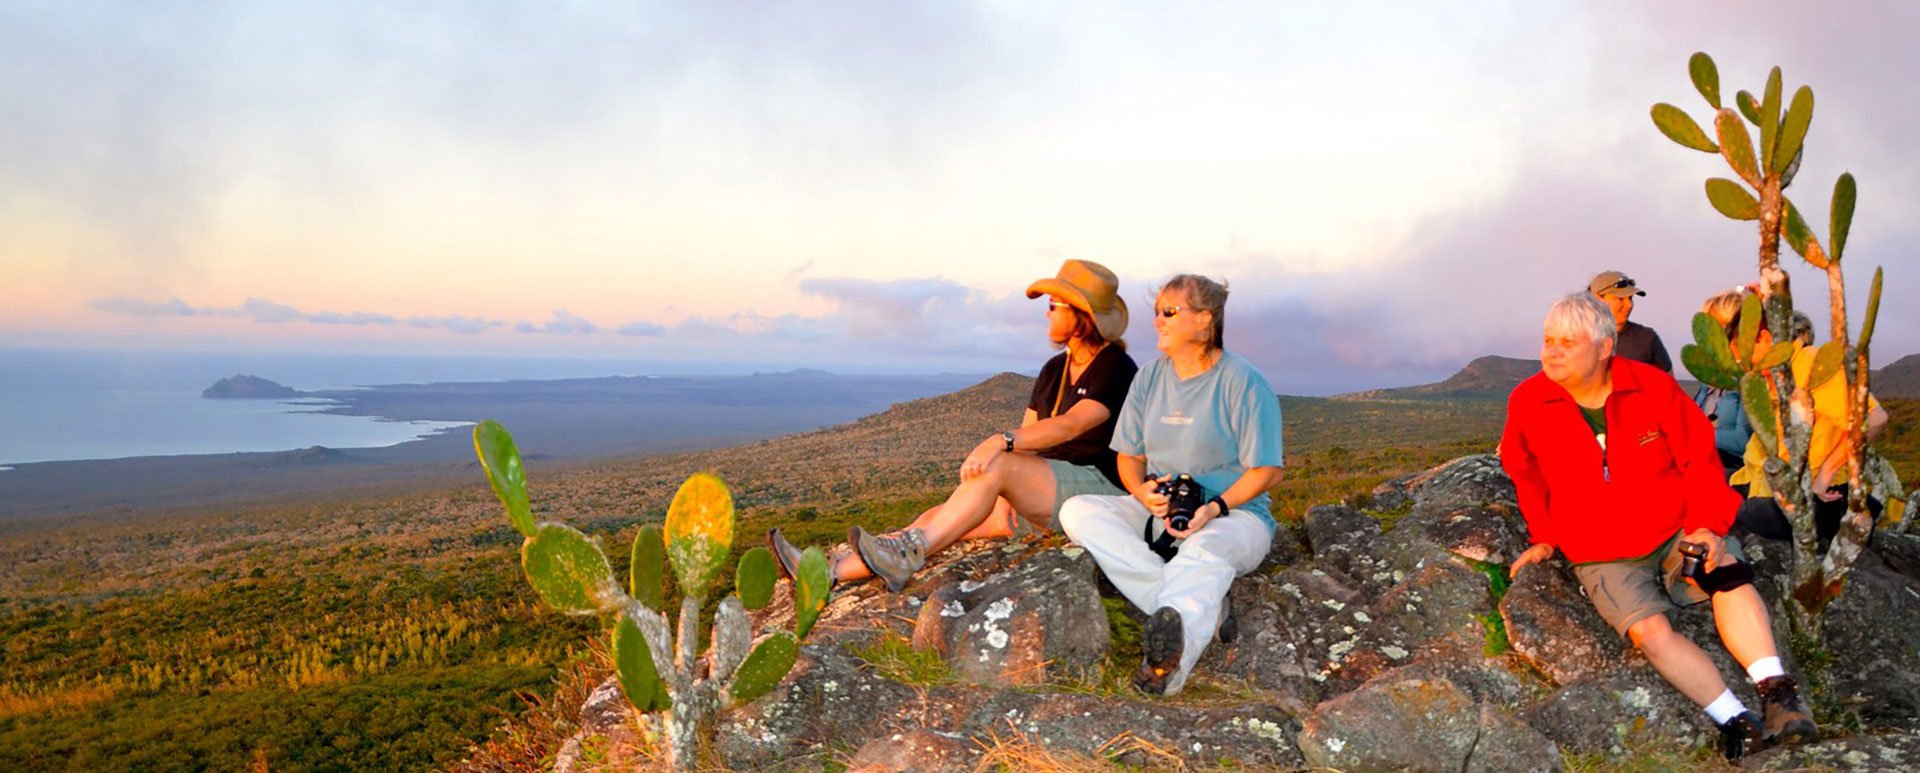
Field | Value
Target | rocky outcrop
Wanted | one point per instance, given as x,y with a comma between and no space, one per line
1371,638
245,387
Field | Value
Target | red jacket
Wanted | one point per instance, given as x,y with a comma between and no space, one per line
1658,475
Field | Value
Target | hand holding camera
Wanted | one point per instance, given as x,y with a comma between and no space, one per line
1184,496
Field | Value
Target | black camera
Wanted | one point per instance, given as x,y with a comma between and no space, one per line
1693,557
1184,496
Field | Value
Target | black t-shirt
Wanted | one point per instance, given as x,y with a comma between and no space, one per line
1106,379
1638,342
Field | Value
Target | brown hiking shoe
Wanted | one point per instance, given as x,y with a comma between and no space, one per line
892,558
1788,720
1742,735
1161,646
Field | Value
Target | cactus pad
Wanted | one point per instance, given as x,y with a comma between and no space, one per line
1680,127
569,571
753,580
633,661
1827,362
1748,107
1757,396
501,459
1703,367
1794,131
647,575
1873,311
810,590
1794,229
1749,334
1736,145
769,663
1770,118
1706,77
1732,199
1844,194
699,532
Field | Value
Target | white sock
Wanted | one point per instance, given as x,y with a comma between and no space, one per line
1725,707
1765,668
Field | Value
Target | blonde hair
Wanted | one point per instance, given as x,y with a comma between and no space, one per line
1725,307
1203,294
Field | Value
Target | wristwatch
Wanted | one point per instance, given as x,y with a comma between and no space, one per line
1008,436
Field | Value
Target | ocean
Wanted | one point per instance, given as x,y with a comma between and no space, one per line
71,405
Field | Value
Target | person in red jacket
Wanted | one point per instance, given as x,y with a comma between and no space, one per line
1615,467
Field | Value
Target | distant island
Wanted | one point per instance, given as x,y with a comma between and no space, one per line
245,387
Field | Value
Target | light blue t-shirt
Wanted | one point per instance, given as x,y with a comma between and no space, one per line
1214,426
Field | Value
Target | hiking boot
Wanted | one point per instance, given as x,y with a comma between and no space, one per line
785,553
1229,626
1742,735
1788,720
1161,645
892,558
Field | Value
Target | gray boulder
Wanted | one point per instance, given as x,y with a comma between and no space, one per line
1039,619
922,751
1607,714
1873,636
1890,751
1420,724
1347,541
1552,625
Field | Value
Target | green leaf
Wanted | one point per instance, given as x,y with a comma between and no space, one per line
633,662
501,460
1795,228
1705,370
647,574
1757,396
699,532
569,571
1710,335
810,590
753,580
1749,333
1705,76
1731,198
1826,363
1736,146
1748,107
1873,311
764,667
1770,118
1794,131
1842,214
1680,127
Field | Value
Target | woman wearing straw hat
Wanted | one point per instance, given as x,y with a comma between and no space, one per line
1058,451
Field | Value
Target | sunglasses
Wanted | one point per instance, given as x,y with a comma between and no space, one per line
1623,284
1053,306
1170,312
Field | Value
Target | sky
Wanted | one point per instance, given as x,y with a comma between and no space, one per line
1389,189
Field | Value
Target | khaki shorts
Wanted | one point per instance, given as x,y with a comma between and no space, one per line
1071,480
1627,591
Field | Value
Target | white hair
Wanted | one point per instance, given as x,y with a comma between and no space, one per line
1581,313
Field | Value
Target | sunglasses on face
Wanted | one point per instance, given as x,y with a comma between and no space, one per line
1170,311
1053,306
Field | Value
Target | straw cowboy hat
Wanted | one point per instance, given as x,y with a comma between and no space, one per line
1089,287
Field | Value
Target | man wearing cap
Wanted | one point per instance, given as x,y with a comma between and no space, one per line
1636,341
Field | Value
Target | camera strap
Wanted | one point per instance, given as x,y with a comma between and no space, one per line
1162,545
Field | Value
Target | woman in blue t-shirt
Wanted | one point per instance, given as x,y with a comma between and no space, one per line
1059,450
1202,411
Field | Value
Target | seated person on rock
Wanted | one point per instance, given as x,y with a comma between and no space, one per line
1058,451
1201,411
1615,467
1722,407
1826,456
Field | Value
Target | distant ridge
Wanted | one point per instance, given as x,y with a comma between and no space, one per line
1899,379
245,387
1491,376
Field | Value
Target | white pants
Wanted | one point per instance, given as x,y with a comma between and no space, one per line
1194,583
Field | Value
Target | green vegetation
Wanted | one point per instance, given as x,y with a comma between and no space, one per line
1495,625
895,658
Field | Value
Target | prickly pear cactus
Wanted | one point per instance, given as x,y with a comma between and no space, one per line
570,572
1764,377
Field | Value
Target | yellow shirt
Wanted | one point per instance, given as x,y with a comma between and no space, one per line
1829,421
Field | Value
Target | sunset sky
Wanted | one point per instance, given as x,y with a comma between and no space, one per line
1390,189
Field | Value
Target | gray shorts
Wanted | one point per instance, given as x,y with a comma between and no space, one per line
1071,480
1629,590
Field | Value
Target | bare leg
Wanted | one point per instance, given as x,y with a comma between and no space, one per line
1022,480
1741,616
1681,662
